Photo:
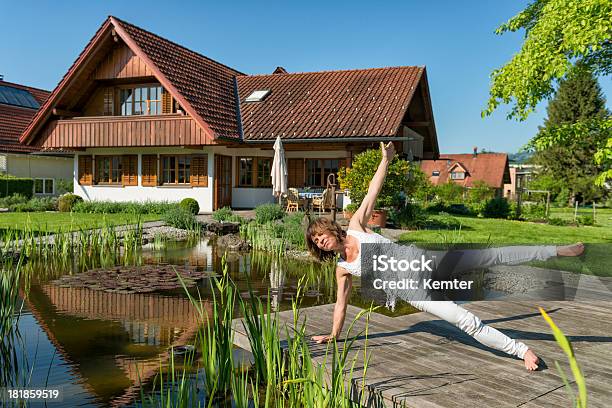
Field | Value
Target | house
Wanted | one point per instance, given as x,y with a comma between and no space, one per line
519,170
18,105
152,120
468,169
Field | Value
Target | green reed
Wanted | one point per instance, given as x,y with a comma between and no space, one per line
280,376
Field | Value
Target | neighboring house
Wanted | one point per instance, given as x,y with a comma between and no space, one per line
152,120
467,169
525,171
18,105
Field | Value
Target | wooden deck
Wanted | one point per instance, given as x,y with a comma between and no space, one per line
420,361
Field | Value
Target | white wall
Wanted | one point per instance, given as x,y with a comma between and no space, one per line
139,193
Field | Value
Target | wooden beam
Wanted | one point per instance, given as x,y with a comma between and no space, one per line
421,123
65,113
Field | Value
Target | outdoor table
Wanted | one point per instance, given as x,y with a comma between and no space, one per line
309,196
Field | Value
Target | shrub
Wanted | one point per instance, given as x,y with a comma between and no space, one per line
67,201
497,207
222,214
63,186
178,217
12,200
130,207
410,216
558,221
352,207
443,221
268,212
449,193
586,220
191,205
10,185
533,211
35,204
397,182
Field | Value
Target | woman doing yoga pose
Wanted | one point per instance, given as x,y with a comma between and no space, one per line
326,239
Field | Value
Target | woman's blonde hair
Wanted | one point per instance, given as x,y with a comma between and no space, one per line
319,226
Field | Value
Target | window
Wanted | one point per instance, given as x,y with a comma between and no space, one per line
44,186
313,173
264,168
257,96
85,164
245,171
108,169
176,169
435,173
457,175
254,171
145,100
317,171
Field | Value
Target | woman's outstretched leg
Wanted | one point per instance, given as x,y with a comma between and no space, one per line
472,325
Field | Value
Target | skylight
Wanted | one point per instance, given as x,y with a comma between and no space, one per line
17,97
257,96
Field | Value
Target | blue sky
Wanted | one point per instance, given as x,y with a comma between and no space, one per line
454,39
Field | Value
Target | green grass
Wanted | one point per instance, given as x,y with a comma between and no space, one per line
56,221
497,231
597,239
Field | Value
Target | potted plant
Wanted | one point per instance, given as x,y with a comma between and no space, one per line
398,183
349,210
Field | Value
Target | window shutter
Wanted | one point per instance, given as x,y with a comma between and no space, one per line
166,102
199,171
109,102
149,170
85,170
129,167
295,178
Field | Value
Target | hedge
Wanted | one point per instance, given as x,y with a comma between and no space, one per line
16,185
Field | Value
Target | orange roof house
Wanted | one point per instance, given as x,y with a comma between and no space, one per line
18,105
163,122
467,169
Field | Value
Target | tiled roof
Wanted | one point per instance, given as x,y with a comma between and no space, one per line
14,120
207,85
355,103
491,168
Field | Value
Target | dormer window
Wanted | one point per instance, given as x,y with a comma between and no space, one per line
258,96
457,175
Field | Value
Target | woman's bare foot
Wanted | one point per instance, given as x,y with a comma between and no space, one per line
571,250
531,360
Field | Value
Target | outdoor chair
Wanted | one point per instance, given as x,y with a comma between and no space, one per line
323,202
294,202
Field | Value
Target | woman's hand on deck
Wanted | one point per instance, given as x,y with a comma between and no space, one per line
571,250
323,338
388,151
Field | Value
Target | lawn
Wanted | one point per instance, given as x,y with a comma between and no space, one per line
57,221
598,239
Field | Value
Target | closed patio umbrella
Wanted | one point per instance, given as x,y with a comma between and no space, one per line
279,170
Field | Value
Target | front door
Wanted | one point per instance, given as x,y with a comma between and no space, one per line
223,181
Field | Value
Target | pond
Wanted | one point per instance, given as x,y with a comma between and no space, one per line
97,346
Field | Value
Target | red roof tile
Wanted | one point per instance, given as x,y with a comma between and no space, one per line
492,168
355,103
14,120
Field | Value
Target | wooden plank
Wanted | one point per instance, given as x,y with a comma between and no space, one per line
425,362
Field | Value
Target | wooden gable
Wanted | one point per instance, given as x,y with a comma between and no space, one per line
121,63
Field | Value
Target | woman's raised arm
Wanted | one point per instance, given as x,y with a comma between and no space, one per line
359,220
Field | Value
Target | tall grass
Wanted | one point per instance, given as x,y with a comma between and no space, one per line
283,372
580,400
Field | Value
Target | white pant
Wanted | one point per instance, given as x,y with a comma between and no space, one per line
472,325
466,320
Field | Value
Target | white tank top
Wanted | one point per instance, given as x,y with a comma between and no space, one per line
354,268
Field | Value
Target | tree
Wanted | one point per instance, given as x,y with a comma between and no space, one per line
558,33
570,161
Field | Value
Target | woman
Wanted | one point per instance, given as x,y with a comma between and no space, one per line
326,239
